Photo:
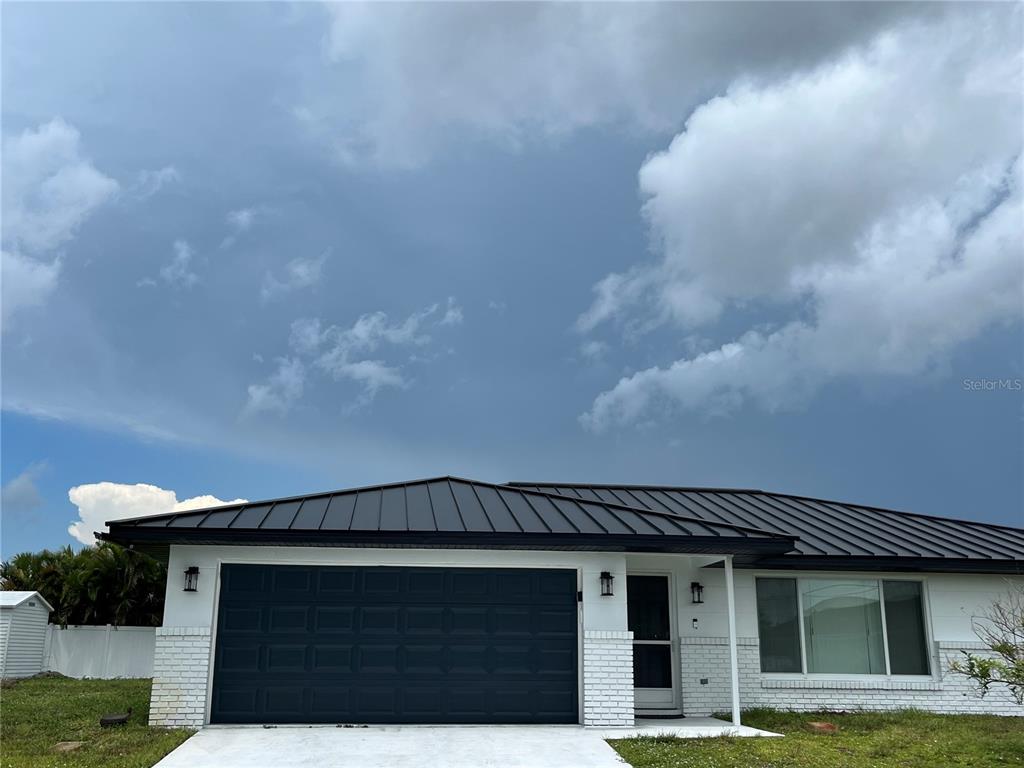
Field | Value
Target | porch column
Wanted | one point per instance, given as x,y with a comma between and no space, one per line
734,670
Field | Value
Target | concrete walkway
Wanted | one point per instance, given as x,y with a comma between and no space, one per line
405,746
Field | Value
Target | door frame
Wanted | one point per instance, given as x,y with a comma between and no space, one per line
673,641
220,562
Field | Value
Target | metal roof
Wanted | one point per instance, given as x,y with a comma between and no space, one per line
767,529
829,533
451,511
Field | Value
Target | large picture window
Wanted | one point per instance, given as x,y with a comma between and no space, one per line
842,626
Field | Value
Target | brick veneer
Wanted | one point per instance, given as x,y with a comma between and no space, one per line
708,659
181,664
607,678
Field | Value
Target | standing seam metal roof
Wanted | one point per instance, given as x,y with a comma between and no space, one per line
825,528
450,505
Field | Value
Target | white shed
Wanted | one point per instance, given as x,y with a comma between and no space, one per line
23,619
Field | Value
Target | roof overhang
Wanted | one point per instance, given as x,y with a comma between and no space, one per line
895,564
151,539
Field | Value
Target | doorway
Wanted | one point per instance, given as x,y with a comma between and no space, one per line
649,608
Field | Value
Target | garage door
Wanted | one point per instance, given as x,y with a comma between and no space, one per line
395,645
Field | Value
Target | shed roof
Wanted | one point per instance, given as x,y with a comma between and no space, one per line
10,598
450,511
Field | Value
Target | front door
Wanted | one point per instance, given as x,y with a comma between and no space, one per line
650,622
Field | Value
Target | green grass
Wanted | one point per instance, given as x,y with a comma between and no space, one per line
907,739
37,713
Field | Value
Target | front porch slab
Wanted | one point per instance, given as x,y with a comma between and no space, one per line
681,728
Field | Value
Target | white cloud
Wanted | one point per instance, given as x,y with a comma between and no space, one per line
281,390
877,199
178,271
26,282
239,222
452,313
49,191
299,273
151,182
895,235
100,502
20,494
350,354
511,72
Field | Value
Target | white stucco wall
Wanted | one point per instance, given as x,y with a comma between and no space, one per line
196,609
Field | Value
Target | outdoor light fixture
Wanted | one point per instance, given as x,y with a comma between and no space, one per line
696,592
606,584
192,578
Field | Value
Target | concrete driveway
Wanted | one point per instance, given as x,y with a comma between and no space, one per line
408,746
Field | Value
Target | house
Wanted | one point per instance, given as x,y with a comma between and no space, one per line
456,601
23,619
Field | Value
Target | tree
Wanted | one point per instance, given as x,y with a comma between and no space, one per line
1001,629
104,584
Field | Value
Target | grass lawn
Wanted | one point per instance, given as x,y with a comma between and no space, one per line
37,713
879,740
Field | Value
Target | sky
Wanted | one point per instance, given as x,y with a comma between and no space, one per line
254,250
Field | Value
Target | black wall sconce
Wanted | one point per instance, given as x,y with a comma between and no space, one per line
606,584
696,592
192,578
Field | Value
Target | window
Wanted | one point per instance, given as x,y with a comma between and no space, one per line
779,621
841,626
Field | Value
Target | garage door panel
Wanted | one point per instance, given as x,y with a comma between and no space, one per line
291,582
285,700
335,582
333,618
288,618
424,620
332,658
393,645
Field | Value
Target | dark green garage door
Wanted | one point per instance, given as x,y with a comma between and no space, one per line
301,644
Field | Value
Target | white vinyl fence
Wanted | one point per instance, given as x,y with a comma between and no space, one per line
102,652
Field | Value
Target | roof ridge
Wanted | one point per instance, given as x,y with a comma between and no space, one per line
762,492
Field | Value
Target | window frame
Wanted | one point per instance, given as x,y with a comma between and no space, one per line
801,576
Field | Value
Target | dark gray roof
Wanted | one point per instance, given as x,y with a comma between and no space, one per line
450,511
829,532
764,529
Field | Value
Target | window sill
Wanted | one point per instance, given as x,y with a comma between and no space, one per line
928,684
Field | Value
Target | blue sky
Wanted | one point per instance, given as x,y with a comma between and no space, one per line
254,250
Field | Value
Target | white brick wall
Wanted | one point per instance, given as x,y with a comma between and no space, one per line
181,664
607,678
708,659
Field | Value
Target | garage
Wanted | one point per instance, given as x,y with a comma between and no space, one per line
318,644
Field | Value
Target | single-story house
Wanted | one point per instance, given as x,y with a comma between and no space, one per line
456,601
23,619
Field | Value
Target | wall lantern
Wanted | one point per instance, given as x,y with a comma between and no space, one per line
192,578
696,592
606,584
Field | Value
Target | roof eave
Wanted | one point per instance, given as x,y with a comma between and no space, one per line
134,535
906,564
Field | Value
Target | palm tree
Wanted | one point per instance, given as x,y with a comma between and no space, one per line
104,584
